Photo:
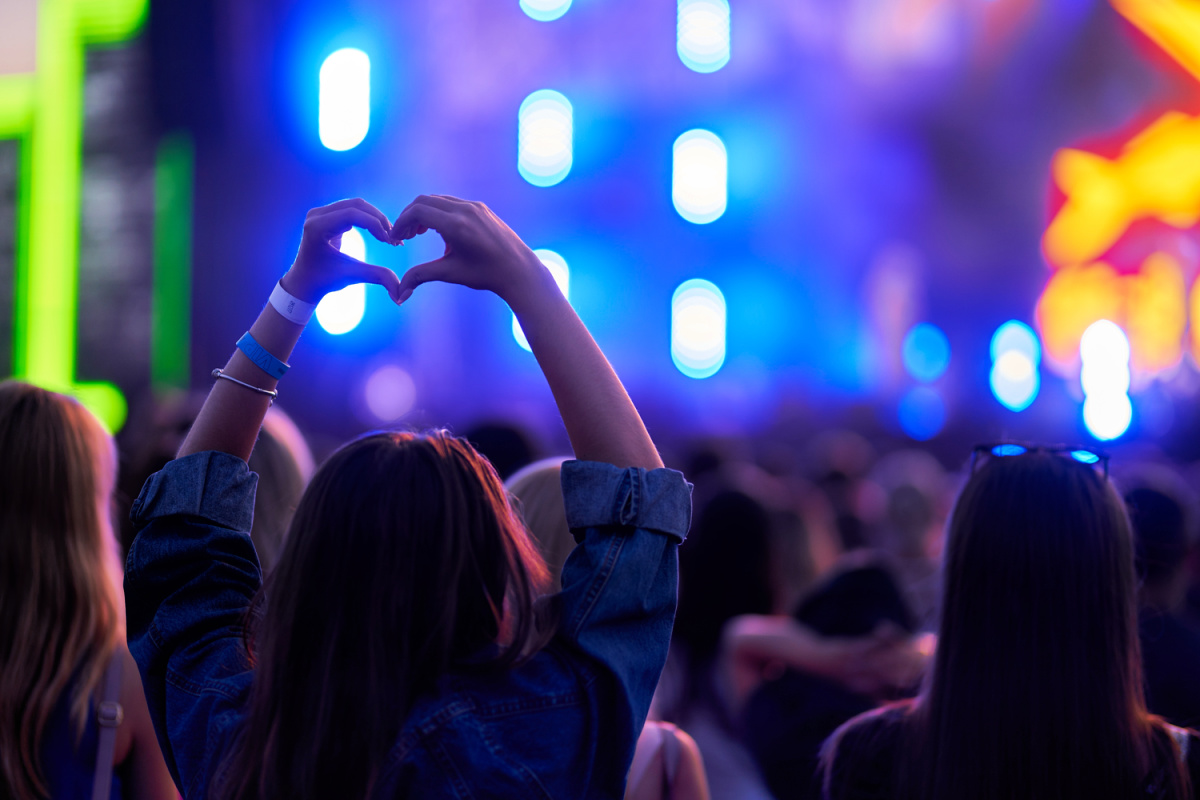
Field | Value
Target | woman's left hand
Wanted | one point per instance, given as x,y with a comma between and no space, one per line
320,267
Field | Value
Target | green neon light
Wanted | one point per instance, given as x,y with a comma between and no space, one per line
45,110
170,344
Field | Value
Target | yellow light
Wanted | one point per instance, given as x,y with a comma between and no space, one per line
1157,176
1174,25
1156,314
1073,299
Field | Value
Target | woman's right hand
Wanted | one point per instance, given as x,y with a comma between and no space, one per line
481,251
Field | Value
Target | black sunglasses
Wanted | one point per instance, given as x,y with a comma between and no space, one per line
1084,455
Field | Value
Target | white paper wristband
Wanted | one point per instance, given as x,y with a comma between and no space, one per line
291,307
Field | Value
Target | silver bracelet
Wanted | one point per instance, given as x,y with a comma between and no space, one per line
218,374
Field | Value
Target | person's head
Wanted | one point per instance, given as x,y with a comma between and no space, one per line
1160,532
58,571
284,465
538,490
403,557
505,445
1036,689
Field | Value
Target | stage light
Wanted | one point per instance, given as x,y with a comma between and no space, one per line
1014,380
702,34
1016,336
925,352
562,276
545,10
1104,351
345,99
1107,416
340,312
390,393
699,176
544,129
698,328
922,413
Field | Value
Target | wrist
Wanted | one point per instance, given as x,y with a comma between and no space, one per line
295,283
534,290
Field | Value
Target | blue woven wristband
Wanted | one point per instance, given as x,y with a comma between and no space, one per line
261,358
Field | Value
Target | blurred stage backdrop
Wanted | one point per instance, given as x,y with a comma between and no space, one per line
940,220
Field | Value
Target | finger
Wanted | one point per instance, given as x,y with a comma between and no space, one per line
439,269
419,217
353,202
380,276
338,222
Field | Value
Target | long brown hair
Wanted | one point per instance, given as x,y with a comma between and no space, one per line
1036,688
60,616
403,558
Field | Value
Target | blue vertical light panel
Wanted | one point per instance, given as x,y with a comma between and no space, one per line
699,176
340,312
702,34
562,276
545,10
698,328
545,128
344,114
1016,354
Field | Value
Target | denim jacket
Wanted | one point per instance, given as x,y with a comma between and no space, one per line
562,725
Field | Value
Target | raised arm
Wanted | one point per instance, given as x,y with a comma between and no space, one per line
232,415
484,253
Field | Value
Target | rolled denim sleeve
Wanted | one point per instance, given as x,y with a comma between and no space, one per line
191,576
621,580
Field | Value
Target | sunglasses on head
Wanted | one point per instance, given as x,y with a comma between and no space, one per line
1084,455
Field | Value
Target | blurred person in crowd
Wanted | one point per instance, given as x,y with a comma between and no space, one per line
1170,647
792,709
404,647
666,761
73,718
1036,686
507,446
281,459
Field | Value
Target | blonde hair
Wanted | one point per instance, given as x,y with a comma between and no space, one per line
60,611
539,500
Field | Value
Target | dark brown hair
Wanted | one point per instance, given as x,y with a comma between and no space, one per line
403,558
1036,688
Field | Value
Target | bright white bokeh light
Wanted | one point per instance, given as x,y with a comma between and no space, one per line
699,176
1016,335
1107,416
344,115
1014,380
545,10
545,127
1104,342
562,276
702,34
698,328
390,393
340,312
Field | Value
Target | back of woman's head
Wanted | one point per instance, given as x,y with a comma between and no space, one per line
1036,689
403,558
59,611
538,490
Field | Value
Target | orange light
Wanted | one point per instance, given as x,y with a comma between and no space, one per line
1156,314
1073,299
1174,25
1157,176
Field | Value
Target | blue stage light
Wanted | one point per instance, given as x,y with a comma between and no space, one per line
344,115
1016,336
702,34
544,133
926,352
1107,416
545,10
698,328
922,413
1014,380
340,312
1104,353
562,276
699,176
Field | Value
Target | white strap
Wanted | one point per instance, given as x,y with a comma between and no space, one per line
109,715
290,306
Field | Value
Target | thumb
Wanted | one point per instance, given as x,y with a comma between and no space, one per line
440,269
381,276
